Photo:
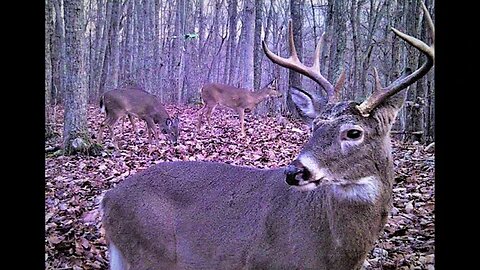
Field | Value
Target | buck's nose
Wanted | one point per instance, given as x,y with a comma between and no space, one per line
295,172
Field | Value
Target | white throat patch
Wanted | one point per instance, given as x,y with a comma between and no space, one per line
365,189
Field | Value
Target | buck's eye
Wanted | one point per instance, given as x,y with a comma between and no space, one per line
353,134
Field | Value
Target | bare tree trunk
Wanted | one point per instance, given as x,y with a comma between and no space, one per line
104,50
412,108
294,78
149,26
356,42
156,49
139,43
247,55
232,11
430,95
338,41
375,14
129,43
75,132
59,65
213,32
97,58
114,59
48,70
258,51
179,47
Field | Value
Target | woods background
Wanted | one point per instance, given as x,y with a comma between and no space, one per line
171,48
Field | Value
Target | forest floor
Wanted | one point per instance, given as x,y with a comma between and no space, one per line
75,184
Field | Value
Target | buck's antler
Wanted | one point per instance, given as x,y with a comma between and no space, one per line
294,63
381,93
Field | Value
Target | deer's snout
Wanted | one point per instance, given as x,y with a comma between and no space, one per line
296,172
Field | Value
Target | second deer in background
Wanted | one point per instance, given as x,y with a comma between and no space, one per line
241,100
136,102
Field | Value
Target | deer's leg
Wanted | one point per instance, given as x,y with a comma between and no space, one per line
241,114
100,131
201,113
110,122
209,113
151,128
123,125
132,121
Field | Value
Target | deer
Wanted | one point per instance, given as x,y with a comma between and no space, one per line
132,101
241,100
324,210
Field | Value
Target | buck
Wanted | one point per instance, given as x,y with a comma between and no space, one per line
132,101
241,100
323,211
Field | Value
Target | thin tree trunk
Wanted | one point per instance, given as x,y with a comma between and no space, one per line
339,42
114,59
178,47
258,51
411,23
59,71
104,51
149,26
156,48
294,78
248,45
48,70
213,32
140,42
232,11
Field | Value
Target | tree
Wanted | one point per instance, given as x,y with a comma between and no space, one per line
75,133
294,78
258,51
58,58
232,33
114,63
48,69
179,48
247,55
338,40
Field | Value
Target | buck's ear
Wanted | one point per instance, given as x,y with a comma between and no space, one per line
387,111
306,104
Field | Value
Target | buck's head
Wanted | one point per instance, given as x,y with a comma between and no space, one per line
350,143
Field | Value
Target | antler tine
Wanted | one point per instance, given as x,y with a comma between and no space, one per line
431,26
318,53
293,63
293,49
378,85
380,94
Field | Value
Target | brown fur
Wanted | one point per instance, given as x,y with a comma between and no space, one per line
239,99
135,102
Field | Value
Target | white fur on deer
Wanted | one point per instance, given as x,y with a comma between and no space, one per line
325,210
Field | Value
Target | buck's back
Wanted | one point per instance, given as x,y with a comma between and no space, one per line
205,215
